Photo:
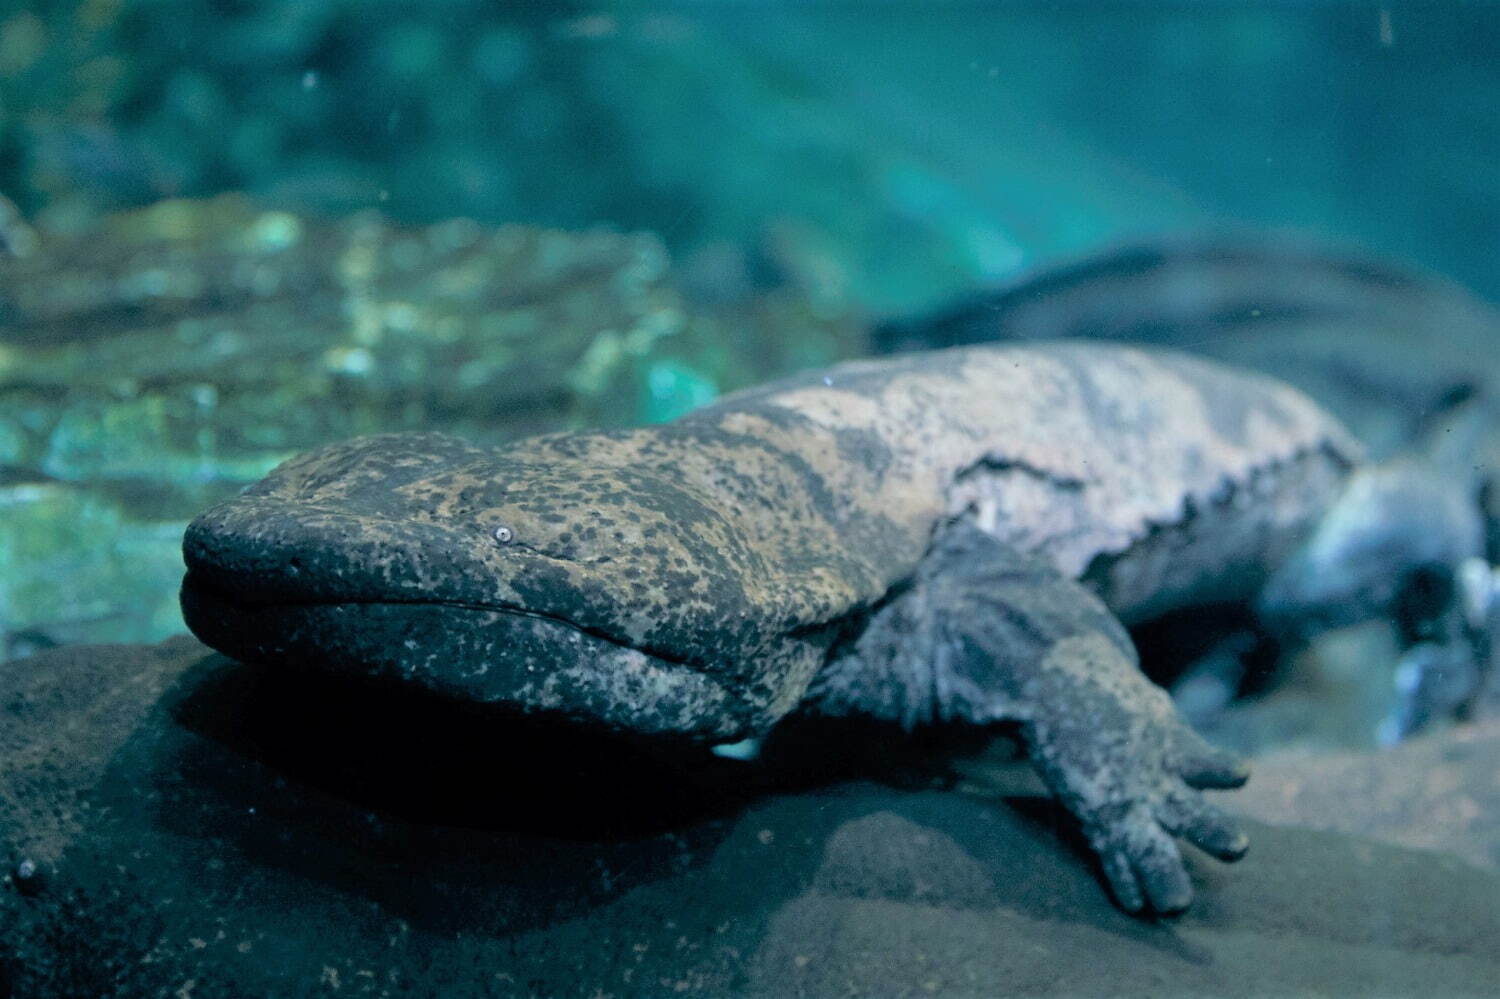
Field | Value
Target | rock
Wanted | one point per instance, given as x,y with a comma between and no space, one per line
1437,792
160,359
203,827
197,341
886,856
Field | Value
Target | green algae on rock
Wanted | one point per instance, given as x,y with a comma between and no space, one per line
165,357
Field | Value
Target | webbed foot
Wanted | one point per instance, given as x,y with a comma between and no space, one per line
1118,756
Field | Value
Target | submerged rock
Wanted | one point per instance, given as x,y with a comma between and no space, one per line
174,821
158,361
195,341
1438,792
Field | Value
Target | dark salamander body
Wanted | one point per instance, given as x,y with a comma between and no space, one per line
951,535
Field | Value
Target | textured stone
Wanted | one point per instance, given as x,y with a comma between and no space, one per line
158,360
201,825
1438,792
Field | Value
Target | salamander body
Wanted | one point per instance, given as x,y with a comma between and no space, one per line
951,535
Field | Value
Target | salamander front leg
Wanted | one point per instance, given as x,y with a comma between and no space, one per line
1016,639
983,633
1112,747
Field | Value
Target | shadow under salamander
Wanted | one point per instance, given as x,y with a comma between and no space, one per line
450,816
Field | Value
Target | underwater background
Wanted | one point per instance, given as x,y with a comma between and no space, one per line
235,231
238,230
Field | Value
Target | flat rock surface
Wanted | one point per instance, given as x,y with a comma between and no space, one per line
200,828
1438,792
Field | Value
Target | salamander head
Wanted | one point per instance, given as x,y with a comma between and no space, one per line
541,577
1388,547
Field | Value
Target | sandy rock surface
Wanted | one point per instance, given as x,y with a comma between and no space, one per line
1438,792
197,827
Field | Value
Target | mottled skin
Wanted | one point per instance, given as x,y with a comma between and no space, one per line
1407,361
1385,348
957,534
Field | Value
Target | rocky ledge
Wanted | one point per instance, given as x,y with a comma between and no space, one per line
180,824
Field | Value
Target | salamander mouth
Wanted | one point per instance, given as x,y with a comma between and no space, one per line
292,604
514,657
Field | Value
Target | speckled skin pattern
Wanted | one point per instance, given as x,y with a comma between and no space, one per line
956,534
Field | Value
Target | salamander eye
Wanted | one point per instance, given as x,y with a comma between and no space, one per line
503,535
